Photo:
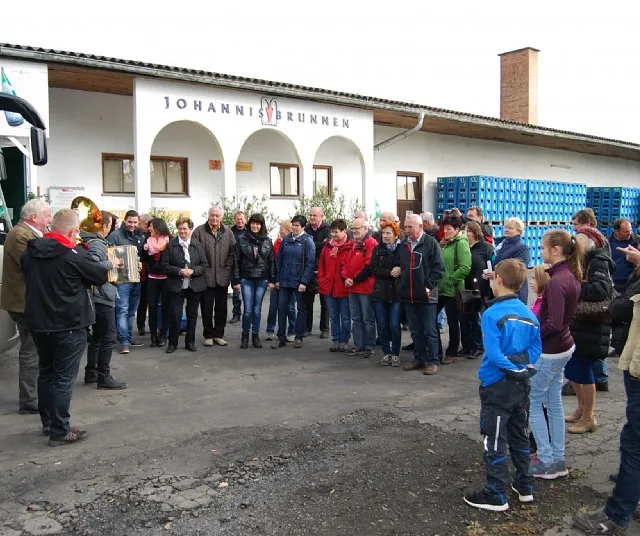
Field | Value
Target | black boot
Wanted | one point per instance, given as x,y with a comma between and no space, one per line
256,341
154,340
244,343
109,382
90,377
162,338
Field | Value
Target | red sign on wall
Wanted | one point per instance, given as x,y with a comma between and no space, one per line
215,164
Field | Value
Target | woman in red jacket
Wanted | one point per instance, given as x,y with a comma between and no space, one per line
331,284
360,284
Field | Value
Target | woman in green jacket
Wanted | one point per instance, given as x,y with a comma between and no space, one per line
457,265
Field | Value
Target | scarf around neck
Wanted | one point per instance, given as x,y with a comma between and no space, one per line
591,232
156,244
335,246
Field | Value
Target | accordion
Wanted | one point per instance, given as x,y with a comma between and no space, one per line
130,270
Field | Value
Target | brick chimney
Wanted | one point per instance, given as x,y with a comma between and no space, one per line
519,85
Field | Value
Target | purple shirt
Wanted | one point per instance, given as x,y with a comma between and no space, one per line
558,307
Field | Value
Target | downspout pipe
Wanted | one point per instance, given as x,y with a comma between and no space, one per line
401,135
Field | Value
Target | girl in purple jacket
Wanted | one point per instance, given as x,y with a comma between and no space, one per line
559,302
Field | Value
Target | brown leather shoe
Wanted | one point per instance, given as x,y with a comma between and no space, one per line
430,370
413,366
448,360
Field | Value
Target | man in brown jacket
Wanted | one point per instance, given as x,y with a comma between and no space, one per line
35,217
219,244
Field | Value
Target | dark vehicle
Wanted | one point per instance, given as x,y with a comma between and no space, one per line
10,103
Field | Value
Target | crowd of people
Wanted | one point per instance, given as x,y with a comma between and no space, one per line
371,284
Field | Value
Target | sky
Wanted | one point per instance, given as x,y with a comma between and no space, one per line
433,53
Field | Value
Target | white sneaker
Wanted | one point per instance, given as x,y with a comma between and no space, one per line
208,342
291,338
269,336
523,498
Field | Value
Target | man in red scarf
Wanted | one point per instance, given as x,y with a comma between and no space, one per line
58,310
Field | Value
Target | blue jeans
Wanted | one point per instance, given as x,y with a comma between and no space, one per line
340,318
237,303
252,294
442,319
286,294
626,494
601,371
59,356
388,320
273,312
546,389
363,324
126,307
424,332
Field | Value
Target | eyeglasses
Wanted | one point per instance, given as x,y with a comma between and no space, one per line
356,228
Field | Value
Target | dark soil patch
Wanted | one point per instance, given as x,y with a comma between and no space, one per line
366,474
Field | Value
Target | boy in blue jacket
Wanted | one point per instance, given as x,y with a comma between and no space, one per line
511,335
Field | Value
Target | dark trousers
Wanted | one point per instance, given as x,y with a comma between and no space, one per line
59,356
424,332
451,308
284,297
237,303
176,305
27,365
141,315
626,494
470,331
310,298
157,294
101,342
213,301
504,417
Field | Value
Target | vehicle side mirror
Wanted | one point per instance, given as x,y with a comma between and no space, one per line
38,147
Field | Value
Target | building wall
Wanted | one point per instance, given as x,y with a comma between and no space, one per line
85,125
88,124
437,155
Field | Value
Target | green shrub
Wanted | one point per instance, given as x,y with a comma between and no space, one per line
333,206
248,205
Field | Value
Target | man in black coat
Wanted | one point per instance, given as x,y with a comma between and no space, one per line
420,267
320,231
58,310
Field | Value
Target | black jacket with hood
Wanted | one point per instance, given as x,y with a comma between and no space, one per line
421,268
58,276
592,337
253,258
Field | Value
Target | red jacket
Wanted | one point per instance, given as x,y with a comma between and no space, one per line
355,260
330,279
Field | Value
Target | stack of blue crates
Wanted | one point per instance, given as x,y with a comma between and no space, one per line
533,201
533,238
612,202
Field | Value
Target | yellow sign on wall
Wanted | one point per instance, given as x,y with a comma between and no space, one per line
172,214
244,166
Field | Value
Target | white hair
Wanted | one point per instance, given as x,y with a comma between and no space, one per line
416,218
428,217
517,223
33,207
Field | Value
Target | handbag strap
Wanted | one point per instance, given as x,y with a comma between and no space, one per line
456,265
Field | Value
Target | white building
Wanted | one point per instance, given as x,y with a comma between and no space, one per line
209,135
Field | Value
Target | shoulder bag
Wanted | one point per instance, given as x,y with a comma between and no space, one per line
468,301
